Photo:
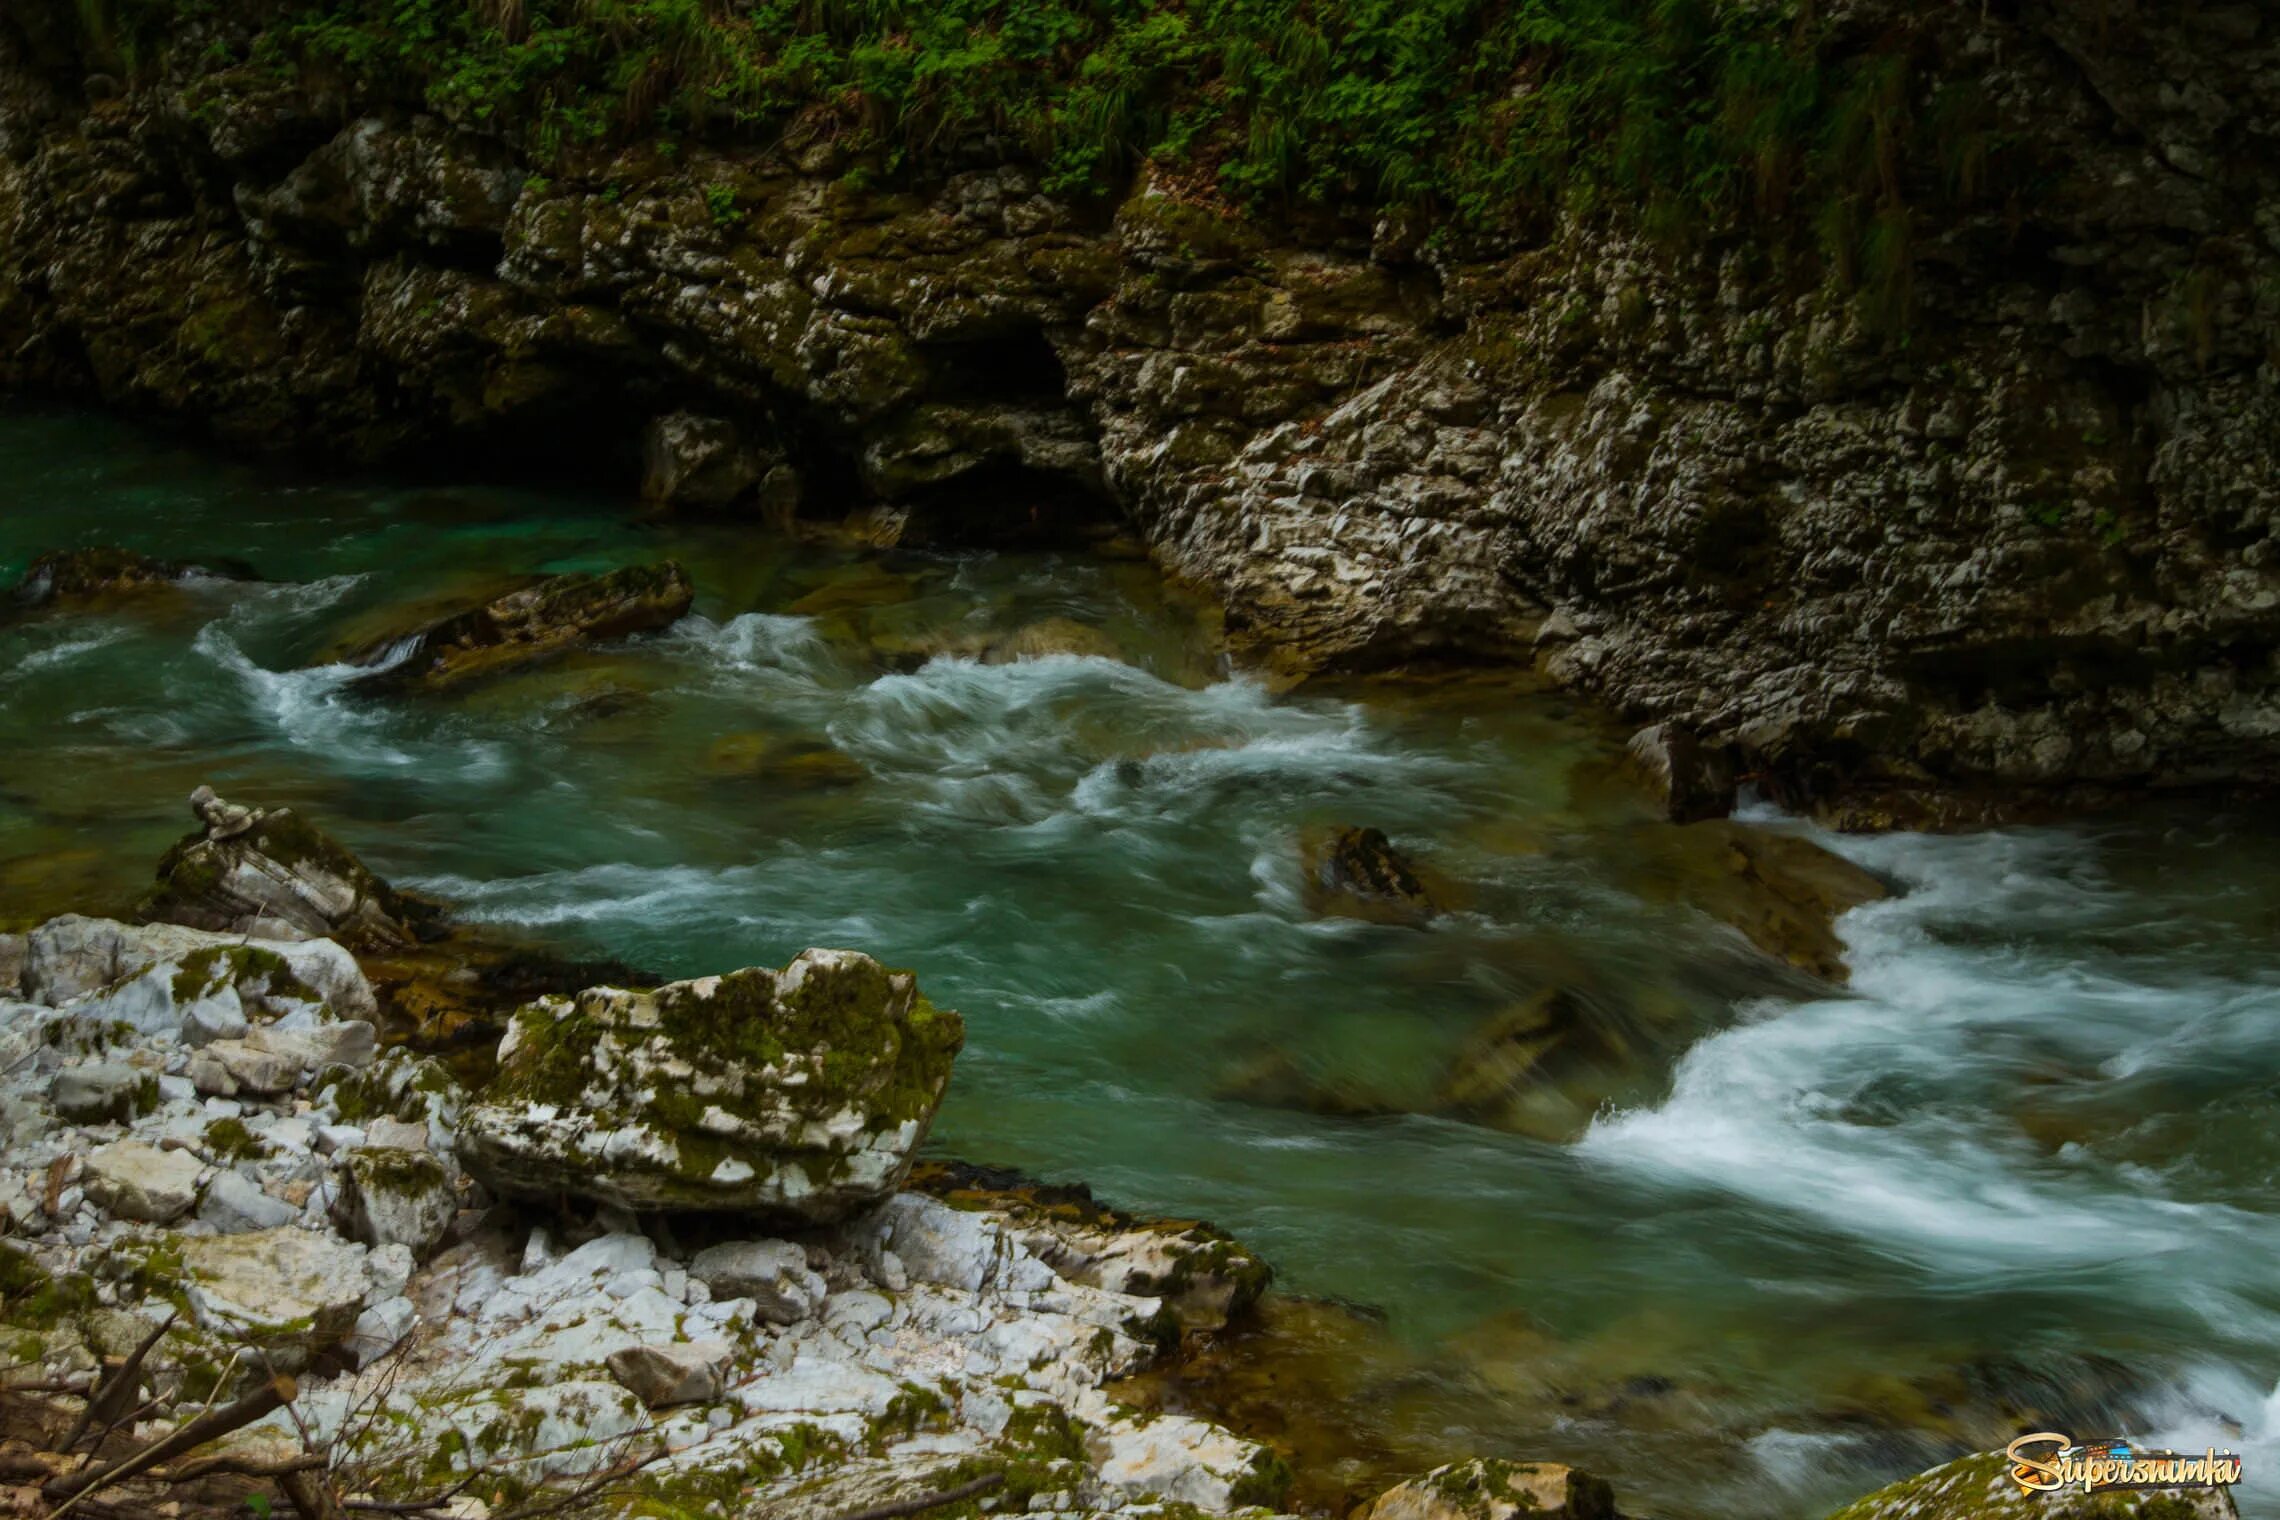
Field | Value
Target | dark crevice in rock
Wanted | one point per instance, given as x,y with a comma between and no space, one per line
1015,367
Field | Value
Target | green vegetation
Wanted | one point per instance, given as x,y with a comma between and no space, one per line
1484,115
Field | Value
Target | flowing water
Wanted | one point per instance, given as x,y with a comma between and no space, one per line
2026,1161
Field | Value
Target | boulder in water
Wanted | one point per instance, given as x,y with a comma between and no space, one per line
797,1094
86,575
1783,892
1485,1489
1538,1068
268,872
1688,779
533,623
1357,873
1980,1488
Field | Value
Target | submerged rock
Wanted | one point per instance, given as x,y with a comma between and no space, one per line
526,625
1783,892
268,872
1979,1488
778,760
85,575
799,1094
1532,1068
1485,1489
1357,873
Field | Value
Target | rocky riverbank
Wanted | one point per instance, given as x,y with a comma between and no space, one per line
2018,556
672,1260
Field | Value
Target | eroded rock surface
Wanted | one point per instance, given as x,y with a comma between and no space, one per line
528,625
2023,549
798,1093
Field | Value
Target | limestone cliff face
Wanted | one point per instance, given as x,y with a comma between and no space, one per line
2020,547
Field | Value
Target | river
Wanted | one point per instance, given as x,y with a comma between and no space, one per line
2025,1162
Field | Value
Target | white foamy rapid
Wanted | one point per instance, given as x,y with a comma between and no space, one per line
1894,1114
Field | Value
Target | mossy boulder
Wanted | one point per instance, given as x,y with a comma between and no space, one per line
264,871
529,624
1485,1489
1979,1488
797,1094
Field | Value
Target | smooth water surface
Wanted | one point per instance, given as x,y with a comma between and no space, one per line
2028,1155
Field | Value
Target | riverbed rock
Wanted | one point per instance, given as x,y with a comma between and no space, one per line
158,976
235,1205
103,1092
797,1094
87,575
774,1274
1979,1488
1488,1489
1357,873
662,1376
393,1195
272,1061
288,1285
270,873
534,623
1538,1068
1782,891
129,1179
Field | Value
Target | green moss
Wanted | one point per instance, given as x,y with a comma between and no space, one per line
390,1169
1266,1483
230,1140
33,1298
203,972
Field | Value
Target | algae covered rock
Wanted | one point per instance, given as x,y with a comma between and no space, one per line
799,1094
269,872
1485,1489
86,575
1979,1488
1782,891
1357,873
529,624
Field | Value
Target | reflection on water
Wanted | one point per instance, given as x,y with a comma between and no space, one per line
2025,1163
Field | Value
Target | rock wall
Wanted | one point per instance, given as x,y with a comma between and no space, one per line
2015,548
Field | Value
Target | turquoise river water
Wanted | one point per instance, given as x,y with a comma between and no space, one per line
2027,1158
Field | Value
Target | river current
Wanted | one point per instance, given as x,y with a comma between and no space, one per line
2025,1161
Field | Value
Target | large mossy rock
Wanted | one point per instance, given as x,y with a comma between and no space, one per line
1485,1489
1782,891
529,624
1978,1488
269,872
799,1093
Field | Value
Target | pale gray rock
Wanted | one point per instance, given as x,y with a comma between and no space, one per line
662,1376
774,1274
233,1205
149,973
130,1180
393,1196
306,1285
103,1092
